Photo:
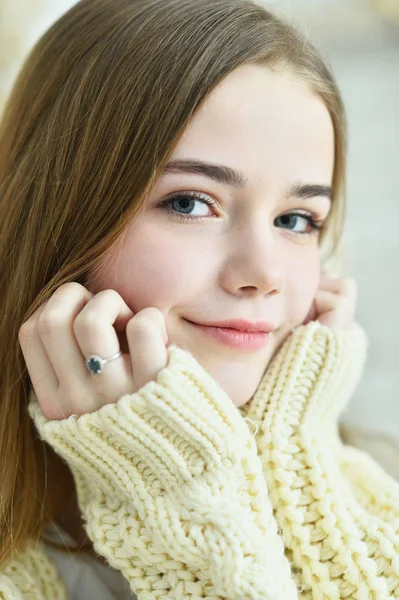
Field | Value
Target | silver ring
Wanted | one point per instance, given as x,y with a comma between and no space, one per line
95,364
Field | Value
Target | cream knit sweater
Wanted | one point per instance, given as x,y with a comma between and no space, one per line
177,494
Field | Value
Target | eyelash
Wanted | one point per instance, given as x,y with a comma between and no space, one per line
314,225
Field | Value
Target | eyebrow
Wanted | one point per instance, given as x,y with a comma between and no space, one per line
228,176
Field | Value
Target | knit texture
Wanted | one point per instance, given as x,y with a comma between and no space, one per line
172,490
176,494
31,576
337,510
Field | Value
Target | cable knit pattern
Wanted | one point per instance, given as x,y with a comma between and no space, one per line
334,533
173,489
31,576
169,478
373,487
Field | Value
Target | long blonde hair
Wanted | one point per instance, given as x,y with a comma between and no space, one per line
92,120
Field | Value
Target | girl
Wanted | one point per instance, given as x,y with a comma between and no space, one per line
171,172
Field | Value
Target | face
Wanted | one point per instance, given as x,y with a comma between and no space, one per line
208,247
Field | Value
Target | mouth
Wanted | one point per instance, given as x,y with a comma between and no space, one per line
234,338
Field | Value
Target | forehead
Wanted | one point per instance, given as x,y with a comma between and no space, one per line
261,121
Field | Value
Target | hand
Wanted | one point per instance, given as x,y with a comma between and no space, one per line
75,323
334,304
169,482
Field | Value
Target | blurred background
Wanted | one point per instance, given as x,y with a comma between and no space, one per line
360,41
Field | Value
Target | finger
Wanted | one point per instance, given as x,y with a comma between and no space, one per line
345,286
95,330
147,337
334,310
326,301
56,332
41,372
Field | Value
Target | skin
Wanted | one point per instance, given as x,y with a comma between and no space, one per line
240,260
235,262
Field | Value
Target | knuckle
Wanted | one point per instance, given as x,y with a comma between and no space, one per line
71,291
55,312
91,315
49,319
26,329
109,293
143,321
70,286
86,321
151,313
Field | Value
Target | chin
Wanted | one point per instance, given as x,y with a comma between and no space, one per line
243,395
239,402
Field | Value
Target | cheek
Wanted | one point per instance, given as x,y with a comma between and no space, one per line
302,283
145,274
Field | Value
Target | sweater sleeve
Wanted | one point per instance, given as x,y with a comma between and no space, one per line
172,491
31,575
337,510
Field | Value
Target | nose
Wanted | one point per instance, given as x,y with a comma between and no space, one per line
254,264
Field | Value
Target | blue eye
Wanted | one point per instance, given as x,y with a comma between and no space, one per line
186,202
182,205
302,220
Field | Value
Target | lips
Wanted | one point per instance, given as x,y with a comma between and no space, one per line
240,325
236,339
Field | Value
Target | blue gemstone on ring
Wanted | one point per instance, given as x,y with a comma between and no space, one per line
94,365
